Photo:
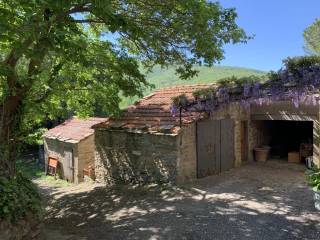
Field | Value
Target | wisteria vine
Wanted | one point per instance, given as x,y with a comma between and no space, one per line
298,81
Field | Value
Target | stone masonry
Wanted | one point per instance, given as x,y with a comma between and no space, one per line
125,157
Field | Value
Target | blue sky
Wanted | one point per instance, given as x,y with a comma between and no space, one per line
278,26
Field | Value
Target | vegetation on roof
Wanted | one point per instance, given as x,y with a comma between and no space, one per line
166,77
297,81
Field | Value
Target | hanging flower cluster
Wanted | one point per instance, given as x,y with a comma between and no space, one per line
298,81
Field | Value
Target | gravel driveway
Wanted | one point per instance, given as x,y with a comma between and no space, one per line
258,201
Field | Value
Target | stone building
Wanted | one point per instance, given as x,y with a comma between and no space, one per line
147,143
72,144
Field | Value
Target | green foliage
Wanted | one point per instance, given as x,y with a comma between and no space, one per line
167,77
235,83
29,168
35,137
58,57
295,63
18,198
313,178
295,66
32,170
180,101
312,38
239,81
206,93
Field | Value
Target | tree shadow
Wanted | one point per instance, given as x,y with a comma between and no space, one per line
231,206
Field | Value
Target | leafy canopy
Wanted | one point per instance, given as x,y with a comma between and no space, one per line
312,38
67,56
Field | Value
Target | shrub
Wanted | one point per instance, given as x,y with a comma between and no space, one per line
313,177
180,101
19,198
205,93
294,63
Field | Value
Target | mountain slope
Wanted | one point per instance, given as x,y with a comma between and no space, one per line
167,77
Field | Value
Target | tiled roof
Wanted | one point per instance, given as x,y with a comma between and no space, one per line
74,129
152,113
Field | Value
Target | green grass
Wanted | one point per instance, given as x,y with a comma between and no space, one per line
32,170
166,78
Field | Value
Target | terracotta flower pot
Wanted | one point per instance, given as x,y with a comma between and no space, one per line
261,154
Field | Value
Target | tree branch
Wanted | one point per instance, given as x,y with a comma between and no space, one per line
87,21
79,8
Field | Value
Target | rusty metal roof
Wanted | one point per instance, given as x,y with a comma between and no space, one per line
152,113
74,130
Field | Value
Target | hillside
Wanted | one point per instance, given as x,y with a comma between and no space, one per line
167,77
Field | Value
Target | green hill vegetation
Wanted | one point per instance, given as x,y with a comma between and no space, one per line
166,77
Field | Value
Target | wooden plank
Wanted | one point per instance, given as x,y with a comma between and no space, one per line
217,140
207,147
68,168
52,166
227,144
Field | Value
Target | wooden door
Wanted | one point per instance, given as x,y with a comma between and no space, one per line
215,146
208,148
69,165
227,144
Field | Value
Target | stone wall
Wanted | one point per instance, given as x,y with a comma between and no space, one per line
63,151
125,157
80,155
237,143
187,154
86,154
122,157
259,135
316,143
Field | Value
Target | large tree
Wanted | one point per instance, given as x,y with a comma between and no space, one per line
312,38
57,55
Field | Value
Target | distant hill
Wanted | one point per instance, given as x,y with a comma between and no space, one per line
167,77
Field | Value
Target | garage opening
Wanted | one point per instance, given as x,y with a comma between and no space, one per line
286,138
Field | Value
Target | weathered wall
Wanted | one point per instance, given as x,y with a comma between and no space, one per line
236,112
259,135
284,110
187,154
124,157
63,151
86,153
316,142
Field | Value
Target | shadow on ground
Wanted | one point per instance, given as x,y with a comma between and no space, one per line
257,201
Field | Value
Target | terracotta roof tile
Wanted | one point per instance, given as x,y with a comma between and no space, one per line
152,112
74,129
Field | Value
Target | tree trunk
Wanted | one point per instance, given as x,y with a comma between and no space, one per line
9,124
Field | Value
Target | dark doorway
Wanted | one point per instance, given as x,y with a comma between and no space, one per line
215,146
285,136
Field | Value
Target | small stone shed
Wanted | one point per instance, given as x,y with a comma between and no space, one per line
72,144
147,143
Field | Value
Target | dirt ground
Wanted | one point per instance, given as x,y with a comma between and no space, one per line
258,201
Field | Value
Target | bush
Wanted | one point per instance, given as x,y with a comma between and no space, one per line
313,177
19,198
294,63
